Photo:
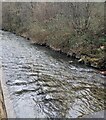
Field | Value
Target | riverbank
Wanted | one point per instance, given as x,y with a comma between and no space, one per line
97,61
62,28
2,105
89,60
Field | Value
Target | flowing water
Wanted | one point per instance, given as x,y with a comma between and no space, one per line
42,83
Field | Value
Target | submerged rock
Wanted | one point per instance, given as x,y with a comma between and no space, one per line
103,73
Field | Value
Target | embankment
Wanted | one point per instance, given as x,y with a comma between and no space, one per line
3,113
2,106
62,27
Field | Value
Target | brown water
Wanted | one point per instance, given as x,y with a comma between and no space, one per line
42,84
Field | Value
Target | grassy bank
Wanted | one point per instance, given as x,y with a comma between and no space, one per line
76,29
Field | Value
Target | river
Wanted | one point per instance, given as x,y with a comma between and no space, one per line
42,83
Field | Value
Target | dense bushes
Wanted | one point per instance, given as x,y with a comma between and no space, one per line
69,27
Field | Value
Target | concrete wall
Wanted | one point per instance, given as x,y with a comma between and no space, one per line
6,109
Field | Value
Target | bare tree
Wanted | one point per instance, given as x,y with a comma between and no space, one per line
81,16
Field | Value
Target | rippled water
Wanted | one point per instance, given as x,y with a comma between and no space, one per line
43,84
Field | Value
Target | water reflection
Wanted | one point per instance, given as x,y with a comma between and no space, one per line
61,100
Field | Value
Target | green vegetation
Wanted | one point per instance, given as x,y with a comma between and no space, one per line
68,27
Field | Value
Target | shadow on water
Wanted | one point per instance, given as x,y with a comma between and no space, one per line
42,83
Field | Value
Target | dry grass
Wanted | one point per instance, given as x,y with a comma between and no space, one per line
2,106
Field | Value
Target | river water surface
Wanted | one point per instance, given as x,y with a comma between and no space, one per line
42,83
